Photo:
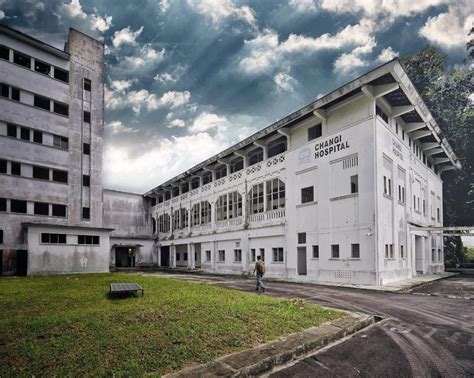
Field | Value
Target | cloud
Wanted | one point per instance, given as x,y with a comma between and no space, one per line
303,6
116,127
387,55
219,10
164,5
208,121
121,85
176,123
284,82
347,63
74,10
450,29
146,56
126,36
2,15
101,24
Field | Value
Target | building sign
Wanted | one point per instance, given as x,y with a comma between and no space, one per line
304,156
397,149
329,146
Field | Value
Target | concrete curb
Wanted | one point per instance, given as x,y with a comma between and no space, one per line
252,362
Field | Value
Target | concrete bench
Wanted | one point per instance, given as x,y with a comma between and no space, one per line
119,288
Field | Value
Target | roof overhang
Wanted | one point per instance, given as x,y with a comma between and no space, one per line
388,81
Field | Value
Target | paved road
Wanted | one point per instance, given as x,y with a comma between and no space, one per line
429,332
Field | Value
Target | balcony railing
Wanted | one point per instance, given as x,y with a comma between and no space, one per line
269,215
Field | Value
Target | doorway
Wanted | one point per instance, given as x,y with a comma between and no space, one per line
197,255
302,268
22,263
165,256
1,262
419,254
124,257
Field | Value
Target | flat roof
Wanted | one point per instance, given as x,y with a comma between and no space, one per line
393,67
39,224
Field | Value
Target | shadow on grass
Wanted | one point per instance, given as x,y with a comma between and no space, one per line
122,296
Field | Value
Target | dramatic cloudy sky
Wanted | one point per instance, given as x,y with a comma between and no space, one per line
186,78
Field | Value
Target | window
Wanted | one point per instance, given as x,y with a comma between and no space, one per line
221,254
15,94
221,171
40,173
1,236
440,255
180,219
37,136
389,251
5,90
3,166
42,102
236,165
438,214
277,254
87,85
314,132
307,194
87,117
175,192
381,114
61,108
61,74
277,146
11,130
261,252
4,53
206,178
355,251
41,208
302,238
25,133
401,194
275,194
402,252
88,239
387,186
164,223
253,255
315,251
86,180
3,204
59,176
255,156
396,128
15,168
18,206
43,68
22,59
335,251
178,256
185,256
237,255
59,211
86,148
60,142
424,207
433,255
195,182
403,134
86,213
355,184
53,238
185,188
208,256
256,199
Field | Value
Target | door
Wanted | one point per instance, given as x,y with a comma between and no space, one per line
165,256
197,255
1,262
419,254
302,269
21,262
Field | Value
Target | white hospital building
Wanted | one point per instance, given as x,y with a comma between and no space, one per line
343,190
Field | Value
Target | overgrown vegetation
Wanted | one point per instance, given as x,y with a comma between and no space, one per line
67,325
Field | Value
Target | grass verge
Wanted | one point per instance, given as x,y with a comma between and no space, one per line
67,325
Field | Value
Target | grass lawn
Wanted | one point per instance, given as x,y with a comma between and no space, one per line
66,325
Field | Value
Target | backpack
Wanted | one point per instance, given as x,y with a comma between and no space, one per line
261,267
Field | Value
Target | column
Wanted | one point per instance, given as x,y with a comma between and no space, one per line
244,246
214,256
191,261
158,255
172,256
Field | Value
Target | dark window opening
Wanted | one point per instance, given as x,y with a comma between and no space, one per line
60,108
87,117
59,176
381,114
16,169
41,208
335,251
221,171
236,165
1,238
167,195
302,238
255,156
41,173
277,147
11,130
22,59
315,132
15,94
42,102
307,194
59,211
5,90
206,178
86,148
4,53
315,251
61,74
53,238
60,142
3,166
86,180
3,204
43,68
355,251
25,133
87,85
153,201
355,184
37,137
88,239
175,192
185,188
195,183
86,213
18,206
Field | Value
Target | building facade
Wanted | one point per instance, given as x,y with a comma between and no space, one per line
343,190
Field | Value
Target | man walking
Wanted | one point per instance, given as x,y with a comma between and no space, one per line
260,269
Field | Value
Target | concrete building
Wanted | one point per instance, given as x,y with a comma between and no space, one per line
344,190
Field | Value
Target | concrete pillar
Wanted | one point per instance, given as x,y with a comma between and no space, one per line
244,246
191,260
158,255
214,255
172,256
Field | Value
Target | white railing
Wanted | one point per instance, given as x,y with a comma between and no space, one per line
269,215
229,223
